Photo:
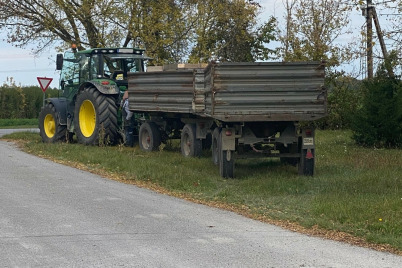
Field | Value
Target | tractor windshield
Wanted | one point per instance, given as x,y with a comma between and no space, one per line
116,66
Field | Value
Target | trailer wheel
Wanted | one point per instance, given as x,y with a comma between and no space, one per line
95,119
226,161
149,137
215,146
189,144
50,129
306,162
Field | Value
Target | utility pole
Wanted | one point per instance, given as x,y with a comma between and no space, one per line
369,22
371,15
382,43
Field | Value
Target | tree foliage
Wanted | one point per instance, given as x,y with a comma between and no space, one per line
312,28
171,30
344,98
225,31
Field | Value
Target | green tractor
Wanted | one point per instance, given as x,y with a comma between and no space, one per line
92,82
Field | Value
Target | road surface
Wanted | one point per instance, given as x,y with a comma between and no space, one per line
57,216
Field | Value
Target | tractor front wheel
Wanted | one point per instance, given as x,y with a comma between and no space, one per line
95,119
50,129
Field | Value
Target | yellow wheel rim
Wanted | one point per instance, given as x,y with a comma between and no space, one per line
49,125
87,118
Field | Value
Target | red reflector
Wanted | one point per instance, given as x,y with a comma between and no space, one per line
105,83
309,132
309,154
228,133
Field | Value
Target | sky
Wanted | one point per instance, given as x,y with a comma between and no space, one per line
24,67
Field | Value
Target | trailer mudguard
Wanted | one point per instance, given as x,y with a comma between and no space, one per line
60,104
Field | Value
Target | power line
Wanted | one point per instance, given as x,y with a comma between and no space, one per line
26,70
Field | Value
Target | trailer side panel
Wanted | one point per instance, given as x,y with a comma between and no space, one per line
167,91
241,92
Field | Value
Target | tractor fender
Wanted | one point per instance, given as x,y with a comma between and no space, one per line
60,104
109,89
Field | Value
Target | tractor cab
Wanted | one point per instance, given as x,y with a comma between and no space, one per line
101,66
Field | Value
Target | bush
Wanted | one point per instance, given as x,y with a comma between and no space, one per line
22,102
344,96
378,122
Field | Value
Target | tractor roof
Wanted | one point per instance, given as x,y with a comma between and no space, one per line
113,50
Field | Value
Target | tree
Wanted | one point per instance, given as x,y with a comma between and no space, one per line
312,28
378,122
169,29
92,23
226,31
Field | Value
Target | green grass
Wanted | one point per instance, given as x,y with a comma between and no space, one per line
355,190
18,123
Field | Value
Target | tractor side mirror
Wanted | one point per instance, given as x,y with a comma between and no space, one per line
59,62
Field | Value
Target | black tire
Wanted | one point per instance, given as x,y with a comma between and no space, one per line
50,129
149,137
226,161
306,164
215,146
95,119
189,144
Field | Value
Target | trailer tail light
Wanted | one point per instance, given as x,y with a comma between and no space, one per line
309,132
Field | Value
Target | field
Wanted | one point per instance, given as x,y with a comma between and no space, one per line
355,195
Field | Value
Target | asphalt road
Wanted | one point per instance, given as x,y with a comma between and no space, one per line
57,216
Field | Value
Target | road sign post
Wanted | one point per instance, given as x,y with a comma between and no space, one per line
44,83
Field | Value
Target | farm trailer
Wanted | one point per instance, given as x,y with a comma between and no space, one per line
238,109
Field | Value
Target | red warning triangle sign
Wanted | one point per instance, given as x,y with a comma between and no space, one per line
309,154
44,82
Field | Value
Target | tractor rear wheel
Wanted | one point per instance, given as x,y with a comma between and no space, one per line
50,129
95,119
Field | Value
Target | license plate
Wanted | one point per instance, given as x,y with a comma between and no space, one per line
308,141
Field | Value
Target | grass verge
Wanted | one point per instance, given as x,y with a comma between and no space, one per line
19,123
355,195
